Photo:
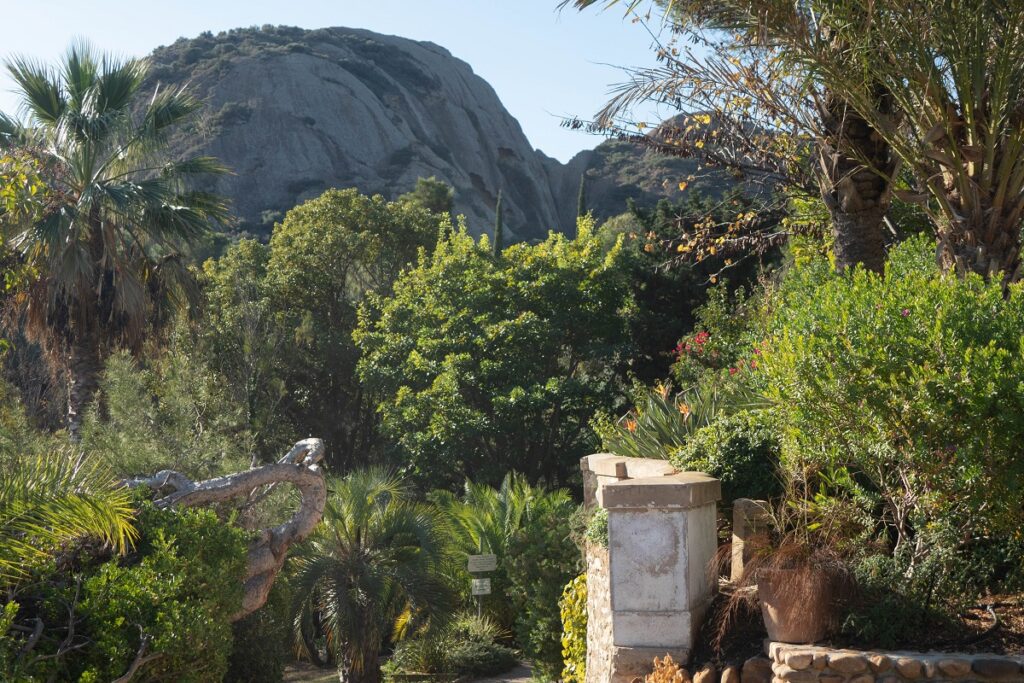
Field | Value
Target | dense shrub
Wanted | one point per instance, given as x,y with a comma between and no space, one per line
911,381
467,646
742,450
574,630
542,559
175,592
263,640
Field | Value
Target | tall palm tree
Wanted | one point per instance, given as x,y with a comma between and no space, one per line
378,561
108,249
756,59
47,501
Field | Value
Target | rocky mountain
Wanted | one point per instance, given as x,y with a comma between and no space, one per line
293,112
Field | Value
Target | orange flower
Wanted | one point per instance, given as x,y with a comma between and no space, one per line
684,410
631,425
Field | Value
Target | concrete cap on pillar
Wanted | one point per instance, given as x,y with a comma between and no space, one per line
609,465
674,491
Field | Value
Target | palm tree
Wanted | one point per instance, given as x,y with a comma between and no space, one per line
486,519
108,249
752,78
47,501
378,563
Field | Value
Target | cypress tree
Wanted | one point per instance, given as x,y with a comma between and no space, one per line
581,200
499,230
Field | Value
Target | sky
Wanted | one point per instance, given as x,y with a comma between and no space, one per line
545,64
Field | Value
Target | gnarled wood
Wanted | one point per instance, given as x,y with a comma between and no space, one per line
299,467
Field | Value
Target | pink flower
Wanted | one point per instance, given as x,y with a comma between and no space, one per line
733,371
905,312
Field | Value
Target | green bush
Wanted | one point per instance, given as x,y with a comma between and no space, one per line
912,382
574,630
597,528
741,449
542,558
176,592
263,640
467,646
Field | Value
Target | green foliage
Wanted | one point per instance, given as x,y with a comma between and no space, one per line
262,641
724,337
742,450
433,195
283,337
464,647
597,528
574,630
910,380
108,247
498,243
174,413
374,569
50,500
23,190
660,423
487,520
483,365
542,558
174,593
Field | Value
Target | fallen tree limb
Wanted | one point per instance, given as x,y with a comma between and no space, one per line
267,553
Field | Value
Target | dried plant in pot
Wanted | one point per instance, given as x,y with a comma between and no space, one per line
797,569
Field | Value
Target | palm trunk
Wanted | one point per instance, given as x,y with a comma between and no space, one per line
856,168
368,672
84,365
986,249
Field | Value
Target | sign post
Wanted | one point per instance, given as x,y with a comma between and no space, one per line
481,586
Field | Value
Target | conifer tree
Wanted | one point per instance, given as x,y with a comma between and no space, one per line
499,230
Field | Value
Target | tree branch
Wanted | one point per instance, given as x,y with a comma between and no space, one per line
299,467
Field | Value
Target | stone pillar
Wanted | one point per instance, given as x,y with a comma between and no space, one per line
648,592
749,518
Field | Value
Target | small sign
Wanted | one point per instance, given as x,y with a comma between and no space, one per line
482,586
483,563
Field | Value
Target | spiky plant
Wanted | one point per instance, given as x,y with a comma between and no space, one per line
46,501
378,561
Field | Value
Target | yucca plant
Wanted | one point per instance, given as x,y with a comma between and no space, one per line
485,519
107,248
47,501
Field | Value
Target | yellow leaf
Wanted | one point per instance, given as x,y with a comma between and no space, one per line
682,186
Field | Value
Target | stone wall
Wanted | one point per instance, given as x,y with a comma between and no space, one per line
810,664
648,591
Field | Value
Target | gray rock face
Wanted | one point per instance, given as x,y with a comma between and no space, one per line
294,112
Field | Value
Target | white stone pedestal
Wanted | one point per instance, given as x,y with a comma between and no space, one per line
648,592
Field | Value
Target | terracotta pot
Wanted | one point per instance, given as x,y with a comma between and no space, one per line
797,606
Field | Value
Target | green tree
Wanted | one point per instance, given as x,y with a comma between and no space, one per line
483,365
283,336
753,105
436,196
377,562
108,249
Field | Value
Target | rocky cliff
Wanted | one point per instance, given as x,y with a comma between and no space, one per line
294,112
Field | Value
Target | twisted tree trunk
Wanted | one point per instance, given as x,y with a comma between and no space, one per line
856,172
269,550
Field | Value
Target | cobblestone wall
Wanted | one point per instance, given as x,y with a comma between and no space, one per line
808,664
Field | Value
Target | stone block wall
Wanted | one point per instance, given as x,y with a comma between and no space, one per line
811,664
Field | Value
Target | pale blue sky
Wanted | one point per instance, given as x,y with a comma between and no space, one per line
544,64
